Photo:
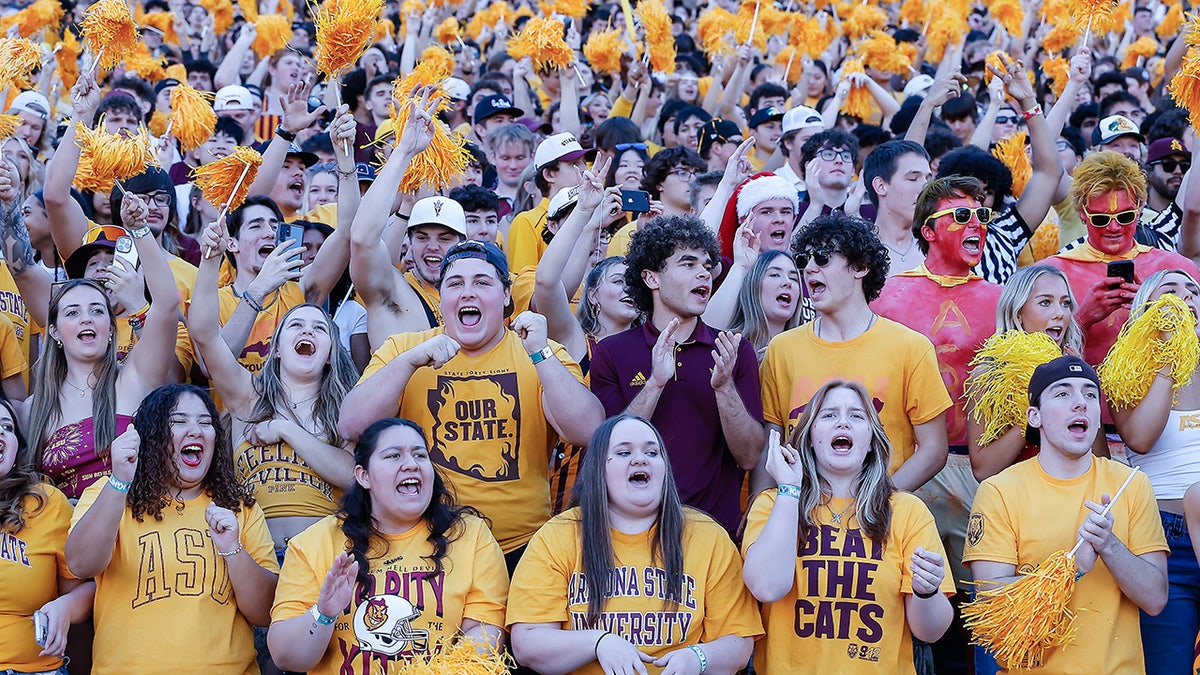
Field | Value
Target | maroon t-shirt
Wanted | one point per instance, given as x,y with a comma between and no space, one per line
706,474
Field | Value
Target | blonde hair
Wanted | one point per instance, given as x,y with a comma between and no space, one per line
1141,300
1104,172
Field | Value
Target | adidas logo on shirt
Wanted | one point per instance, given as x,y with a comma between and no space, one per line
638,380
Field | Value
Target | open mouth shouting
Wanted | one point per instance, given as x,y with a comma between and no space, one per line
409,487
433,263
785,299
469,316
296,188
639,479
192,455
972,244
306,347
842,443
778,237
1055,332
86,336
702,292
1078,427
265,250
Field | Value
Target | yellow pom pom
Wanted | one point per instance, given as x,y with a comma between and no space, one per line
438,58
914,13
9,124
659,40
944,30
106,158
19,57
447,32
1058,69
1011,151
345,28
714,30
41,14
161,22
462,657
1010,14
222,14
67,59
192,118
274,32
576,9
144,64
109,31
809,36
1141,350
998,388
863,19
542,41
446,158
1169,27
744,19
1142,48
227,180
879,50
603,51
788,58
158,123
1044,242
858,101
1061,37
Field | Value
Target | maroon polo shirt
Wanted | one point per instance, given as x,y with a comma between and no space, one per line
706,474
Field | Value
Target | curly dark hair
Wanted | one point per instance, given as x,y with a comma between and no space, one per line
664,162
855,239
444,515
654,243
156,472
972,161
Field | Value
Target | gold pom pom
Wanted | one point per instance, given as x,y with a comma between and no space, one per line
105,158
438,58
787,58
603,51
222,14
9,124
808,36
109,31
542,41
914,13
1142,48
1061,37
161,22
944,30
345,28
145,64
67,59
192,118
863,19
713,28
19,57
1058,69
1169,27
447,32
158,123
659,40
274,32
462,657
1185,86
1163,336
1011,151
217,180
879,50
43,14
1010,14
858,101
998,388
576,9
446,158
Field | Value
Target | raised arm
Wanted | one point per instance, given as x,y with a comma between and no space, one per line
143,368
1079,76
770,568
568,112
723,304
569,406
982,138
738,170
334,255
90,544
1189,202
68,223
1142,425
943,89
231,65
1038,197
296,118
232,381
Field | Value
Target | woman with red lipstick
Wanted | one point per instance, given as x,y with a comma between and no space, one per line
667,580
1035,299
33,577
180,552
399,569
1162,433
849,569
81,400
285,415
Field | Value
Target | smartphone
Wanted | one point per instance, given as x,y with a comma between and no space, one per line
126,252
1122,269
287,231
635,201
40,628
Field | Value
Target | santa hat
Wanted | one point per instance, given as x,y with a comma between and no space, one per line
750,193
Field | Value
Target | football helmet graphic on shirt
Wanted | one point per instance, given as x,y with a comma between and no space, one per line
383,624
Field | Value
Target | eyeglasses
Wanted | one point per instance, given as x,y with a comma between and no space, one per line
819,256
159,198
1103,219
1062,146
683,174
1169,165
1007,119
963,214
829,155
622,147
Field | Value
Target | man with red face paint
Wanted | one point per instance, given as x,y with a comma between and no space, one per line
1109,190
956,310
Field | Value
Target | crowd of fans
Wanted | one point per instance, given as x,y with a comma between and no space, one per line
682,374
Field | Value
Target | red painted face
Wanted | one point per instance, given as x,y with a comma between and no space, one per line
954,248
1114,238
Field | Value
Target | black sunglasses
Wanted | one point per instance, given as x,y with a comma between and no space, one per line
1169,165
819,256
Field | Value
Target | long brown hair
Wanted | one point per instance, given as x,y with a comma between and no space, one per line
591,494
50,372
873,490
20,483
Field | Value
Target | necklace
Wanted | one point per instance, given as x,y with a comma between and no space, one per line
903,256
82,392
306,400
817,327
837,517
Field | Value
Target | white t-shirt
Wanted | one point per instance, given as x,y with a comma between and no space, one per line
351,319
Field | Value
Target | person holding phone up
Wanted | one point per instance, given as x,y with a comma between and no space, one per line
1110,190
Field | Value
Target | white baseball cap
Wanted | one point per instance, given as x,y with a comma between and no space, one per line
438,210
918,86
233,97
562,199
801,117
562,147
33,103
456,89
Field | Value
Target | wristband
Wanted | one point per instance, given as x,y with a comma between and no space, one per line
285,134
1079,575
403,216
596,649
700,655
250,299
138,318
140,232
319,617
541,355
1028,114
789,491
118,485
235,551
926,596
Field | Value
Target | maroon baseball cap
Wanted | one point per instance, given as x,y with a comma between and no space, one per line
1165,147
